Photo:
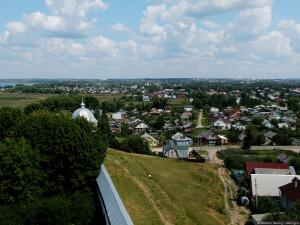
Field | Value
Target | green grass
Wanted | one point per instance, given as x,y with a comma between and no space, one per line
204,122
20,100
178,102
177,193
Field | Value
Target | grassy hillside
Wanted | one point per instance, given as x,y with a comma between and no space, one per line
176,193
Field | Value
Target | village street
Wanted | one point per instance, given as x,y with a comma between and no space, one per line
200,117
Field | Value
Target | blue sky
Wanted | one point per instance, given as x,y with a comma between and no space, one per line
150,38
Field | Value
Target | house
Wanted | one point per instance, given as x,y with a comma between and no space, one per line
115,127
188,127
134,123
269,138
251,166
268,184
146,98
186,115
223,140
141,128
222,124
188,108
174,151
239,126
283,125
209,138
151,140
169,127
290,193
267,124
181,140
214,110
118,116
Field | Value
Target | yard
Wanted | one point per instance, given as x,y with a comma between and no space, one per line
162,191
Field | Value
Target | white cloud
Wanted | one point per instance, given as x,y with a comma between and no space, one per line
75,8
48,23
103,46
210,7
119,27
252,22
17,27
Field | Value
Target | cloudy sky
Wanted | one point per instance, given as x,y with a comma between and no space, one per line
149,38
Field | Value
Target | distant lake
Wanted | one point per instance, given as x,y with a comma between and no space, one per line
3,84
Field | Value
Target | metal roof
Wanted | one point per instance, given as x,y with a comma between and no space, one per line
181,150
85,113
272,171
115,209
268,184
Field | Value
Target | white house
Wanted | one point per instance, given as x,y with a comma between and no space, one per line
151,140
141,128
188,108
214,110
221,124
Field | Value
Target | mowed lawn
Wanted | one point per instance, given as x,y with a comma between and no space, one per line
20,100
176,193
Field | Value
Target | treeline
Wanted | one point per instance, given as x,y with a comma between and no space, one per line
48,167
201,99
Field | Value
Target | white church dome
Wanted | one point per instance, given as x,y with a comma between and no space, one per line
85,113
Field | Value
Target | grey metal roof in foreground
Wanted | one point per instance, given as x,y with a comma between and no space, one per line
114,207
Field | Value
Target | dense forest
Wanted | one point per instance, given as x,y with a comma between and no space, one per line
49,163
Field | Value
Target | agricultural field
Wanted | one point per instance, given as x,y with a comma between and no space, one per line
163,191
20,100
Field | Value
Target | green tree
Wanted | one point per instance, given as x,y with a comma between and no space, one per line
282,138
125,129
248,140
71,150
135,144
20,173
233,135
257,120
9,120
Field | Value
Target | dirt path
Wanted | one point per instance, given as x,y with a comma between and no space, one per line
238,214
200,117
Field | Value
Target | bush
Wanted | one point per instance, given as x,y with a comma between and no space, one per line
267,205
235,162
135,144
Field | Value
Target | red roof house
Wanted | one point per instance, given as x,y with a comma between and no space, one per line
250,166
290,193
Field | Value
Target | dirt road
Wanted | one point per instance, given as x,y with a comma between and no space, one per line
200,117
